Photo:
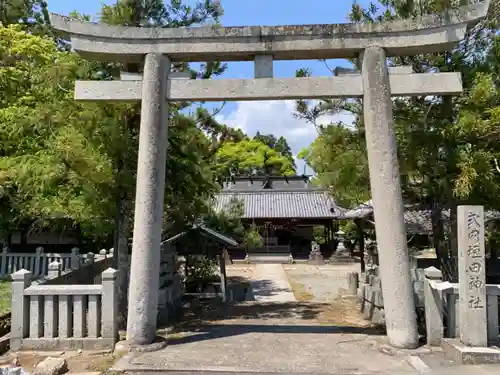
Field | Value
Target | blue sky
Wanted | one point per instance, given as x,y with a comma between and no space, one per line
271,116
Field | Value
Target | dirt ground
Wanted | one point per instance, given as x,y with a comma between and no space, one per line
319,294
240,270
322,287
78,361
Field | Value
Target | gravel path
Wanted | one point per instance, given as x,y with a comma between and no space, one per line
319,283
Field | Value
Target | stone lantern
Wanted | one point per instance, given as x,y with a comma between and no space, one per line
342,253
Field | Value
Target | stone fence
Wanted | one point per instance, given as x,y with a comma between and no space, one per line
64,309
38,263
171,287
89,272
62,317
442,306
368,288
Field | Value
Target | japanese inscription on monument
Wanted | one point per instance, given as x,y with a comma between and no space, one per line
472,275
475,283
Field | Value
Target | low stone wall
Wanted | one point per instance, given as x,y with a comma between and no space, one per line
89,273
63,317
369,293
171,288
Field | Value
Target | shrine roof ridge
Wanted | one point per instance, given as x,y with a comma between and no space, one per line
435,31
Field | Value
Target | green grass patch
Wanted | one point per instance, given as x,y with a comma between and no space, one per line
5,296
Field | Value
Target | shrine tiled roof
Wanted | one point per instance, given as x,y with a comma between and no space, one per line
418,221
282,203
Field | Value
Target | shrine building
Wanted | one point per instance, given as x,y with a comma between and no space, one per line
285,209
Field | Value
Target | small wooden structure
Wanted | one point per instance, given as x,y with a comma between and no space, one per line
201,240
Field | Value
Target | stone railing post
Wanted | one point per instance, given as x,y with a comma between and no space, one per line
90,258
38,262
352,283
434,306
109,306
20,318
54,270
75,258
103,253
5,251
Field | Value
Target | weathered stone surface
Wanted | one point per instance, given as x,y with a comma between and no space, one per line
269,88
51,366
378,316
9,370
430,33
387,201
263,66
148,220
467,355
352,283
472,276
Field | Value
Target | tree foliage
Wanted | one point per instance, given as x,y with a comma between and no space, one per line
280,145
446,146
249,157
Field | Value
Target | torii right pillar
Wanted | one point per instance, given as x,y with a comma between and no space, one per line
387,200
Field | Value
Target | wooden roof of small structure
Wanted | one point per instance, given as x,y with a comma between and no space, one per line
205,231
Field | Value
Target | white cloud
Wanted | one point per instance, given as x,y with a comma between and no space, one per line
276,117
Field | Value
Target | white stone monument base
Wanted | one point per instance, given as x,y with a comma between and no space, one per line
468,355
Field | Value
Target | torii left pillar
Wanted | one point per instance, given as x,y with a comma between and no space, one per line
149,203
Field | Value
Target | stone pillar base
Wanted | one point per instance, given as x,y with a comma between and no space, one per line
124,347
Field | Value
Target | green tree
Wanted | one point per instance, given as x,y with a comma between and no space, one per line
280,145
36,107
338,157
187,186
79,161
435,162
26,12
229,222
250,157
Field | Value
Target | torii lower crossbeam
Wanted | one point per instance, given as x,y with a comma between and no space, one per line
348,86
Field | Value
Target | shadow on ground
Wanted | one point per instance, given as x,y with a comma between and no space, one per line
216,331
210,319
265,288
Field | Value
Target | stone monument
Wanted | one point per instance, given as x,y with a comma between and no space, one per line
315,256
472,276
375,83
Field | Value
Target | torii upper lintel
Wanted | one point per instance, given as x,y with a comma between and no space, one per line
430,33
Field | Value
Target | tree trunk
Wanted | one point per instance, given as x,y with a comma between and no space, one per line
452,239
438,239
121,247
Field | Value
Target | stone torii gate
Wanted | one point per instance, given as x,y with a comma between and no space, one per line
372,43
